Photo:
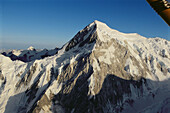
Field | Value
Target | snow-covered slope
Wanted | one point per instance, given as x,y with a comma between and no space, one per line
100,70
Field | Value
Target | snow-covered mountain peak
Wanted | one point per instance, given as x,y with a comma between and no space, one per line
98,32
91,33
105,33
99,70
99,22
101,25
31,48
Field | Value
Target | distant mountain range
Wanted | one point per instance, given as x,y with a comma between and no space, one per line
100,70
30,54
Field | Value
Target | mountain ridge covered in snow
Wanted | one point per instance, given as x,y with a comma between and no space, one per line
99,70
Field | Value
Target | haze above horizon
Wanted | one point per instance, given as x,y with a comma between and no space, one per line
52,23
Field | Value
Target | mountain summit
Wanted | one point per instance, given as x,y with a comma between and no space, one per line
100,31
100,70
31,48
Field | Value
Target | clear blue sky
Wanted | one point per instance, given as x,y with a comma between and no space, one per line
51,23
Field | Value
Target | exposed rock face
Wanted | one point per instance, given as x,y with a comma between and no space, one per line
100,70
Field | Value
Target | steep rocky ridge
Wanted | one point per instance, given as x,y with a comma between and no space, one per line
100,70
